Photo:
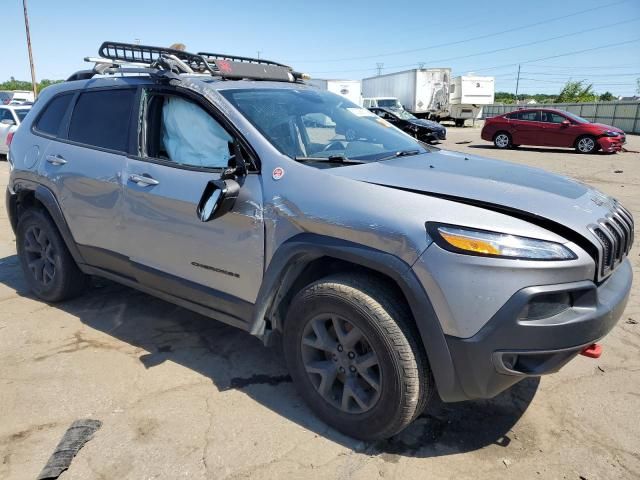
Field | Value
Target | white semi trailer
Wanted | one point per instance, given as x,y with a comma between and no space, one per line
350,89
432,93
421,91
468,94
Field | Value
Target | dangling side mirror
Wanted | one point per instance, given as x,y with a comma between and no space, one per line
217,199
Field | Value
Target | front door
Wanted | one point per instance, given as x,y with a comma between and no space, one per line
183,146
557,133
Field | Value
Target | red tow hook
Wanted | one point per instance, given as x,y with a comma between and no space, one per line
592,351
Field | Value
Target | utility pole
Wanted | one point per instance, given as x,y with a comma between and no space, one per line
33,68
259,52
379,66
517,84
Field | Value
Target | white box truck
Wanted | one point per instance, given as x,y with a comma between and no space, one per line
421,91
350,89
468,94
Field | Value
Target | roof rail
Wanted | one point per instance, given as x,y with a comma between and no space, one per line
123,58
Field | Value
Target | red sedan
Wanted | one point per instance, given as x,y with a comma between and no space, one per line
551,128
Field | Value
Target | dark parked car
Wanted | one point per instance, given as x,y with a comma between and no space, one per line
424,130
551,128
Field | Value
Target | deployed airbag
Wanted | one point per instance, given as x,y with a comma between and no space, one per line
191,136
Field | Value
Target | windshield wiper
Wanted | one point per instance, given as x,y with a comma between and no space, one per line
401,153
340,159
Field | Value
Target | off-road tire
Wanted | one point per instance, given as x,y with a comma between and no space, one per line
64,280
406,383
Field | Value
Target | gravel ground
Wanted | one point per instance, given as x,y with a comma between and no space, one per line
180,395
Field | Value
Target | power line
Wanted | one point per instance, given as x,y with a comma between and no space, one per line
502,49
575,52
458,42
584,74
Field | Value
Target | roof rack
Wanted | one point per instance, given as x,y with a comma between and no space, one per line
236,58
120,58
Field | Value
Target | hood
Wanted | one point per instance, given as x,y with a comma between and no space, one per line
426,123
492,184
607,127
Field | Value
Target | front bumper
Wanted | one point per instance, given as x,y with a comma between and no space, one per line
611,144
433,135
508,349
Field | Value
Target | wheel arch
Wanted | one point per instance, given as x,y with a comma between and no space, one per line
583,135
36,195
498,132
308,257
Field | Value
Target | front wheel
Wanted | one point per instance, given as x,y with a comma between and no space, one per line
353,353
586,144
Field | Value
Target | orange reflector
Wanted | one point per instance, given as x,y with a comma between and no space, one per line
470,244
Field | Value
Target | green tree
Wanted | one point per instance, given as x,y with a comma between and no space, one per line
13,84
606,97
576,92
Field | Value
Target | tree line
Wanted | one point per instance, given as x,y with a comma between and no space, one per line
572,92
13,84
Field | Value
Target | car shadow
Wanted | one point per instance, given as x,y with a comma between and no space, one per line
233,359
541,150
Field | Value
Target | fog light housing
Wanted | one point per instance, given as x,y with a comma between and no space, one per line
546,305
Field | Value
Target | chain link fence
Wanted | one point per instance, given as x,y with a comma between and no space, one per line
624,115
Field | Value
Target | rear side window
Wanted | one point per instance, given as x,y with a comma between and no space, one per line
101,119
50,121
529,116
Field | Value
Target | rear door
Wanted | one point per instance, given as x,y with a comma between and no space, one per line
184,145
84,162
526,128
557,134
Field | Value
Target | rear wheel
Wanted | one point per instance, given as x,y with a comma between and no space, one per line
502,140
354,356
459,122
48,267
586,144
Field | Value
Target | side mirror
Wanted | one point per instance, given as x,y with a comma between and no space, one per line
8,121
218,198
566,123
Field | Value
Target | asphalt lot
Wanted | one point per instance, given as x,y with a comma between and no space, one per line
180,395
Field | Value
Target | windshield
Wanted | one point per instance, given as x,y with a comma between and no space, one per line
21,113
575,117
404,115
388,103
319,124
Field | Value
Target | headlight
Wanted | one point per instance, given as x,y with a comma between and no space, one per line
493,244
610,133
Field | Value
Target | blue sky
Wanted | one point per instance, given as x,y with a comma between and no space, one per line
346,39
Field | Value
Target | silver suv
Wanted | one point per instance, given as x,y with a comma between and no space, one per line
388,270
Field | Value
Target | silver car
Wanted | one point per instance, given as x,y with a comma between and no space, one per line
10,119
388,270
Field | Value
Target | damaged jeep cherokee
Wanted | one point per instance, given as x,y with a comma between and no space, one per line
388,270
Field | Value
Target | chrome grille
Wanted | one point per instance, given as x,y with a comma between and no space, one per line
615,235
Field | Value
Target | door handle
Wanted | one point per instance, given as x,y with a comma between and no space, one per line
56,160
143,180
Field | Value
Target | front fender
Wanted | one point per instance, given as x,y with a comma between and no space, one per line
293,255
